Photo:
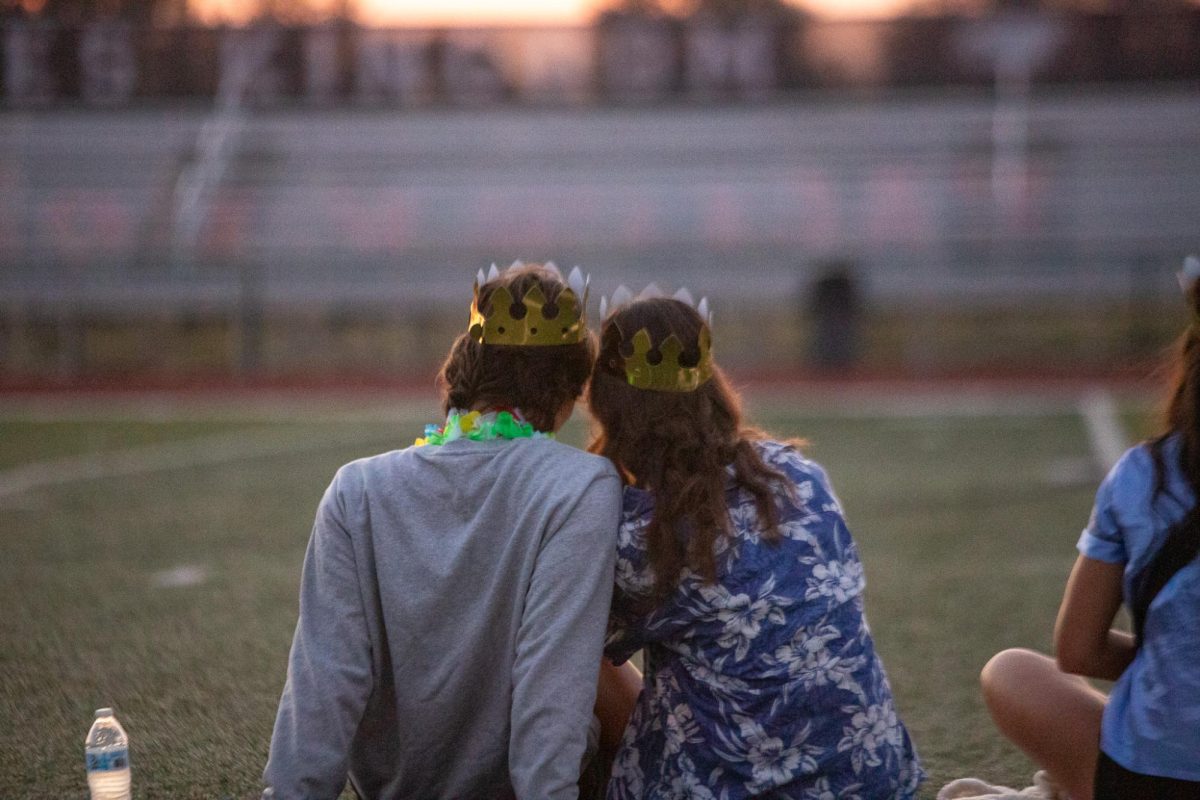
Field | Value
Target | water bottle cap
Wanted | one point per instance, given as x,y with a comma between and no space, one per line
103,712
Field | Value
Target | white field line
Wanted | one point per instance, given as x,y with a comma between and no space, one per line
1097,408
203,451
181,576
1105,433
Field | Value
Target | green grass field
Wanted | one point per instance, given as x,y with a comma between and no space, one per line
966,524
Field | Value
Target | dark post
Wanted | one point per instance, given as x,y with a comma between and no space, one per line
835,309
250,308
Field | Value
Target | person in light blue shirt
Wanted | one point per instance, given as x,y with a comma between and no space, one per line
1152,719
1140,548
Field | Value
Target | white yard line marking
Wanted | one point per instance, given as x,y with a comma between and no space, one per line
181,576
1105,433
167,407
203,451
408,413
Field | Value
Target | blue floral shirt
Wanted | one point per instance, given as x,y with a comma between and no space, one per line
766,682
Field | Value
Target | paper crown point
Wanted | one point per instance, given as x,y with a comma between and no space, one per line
578,282
623,296
531,320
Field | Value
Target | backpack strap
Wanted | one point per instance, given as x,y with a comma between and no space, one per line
1180,549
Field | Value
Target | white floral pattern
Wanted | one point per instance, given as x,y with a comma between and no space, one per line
766,682
743,618
872,732
836,579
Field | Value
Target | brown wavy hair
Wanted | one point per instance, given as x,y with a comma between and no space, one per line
539,380
677,445
1180,417
1181,413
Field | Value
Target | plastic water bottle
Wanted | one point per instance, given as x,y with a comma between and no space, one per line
107,753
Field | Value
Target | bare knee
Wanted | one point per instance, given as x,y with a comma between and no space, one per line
1010,670
1052,716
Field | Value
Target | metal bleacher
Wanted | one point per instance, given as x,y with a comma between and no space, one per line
357,208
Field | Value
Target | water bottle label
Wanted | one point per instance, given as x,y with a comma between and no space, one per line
108,761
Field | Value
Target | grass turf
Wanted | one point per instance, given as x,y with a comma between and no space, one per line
966,526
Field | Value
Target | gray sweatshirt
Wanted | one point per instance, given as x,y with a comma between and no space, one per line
452,612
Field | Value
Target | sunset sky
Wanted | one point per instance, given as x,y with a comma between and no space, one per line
524,12
567,11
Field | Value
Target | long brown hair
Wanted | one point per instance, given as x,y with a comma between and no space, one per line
1181,418
538,380
677,445
1182,412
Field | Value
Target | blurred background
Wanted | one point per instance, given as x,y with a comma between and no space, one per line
939,237
282,191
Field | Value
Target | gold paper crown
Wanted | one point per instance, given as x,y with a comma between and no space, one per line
668,375
536,325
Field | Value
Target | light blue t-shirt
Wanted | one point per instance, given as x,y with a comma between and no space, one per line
1152,720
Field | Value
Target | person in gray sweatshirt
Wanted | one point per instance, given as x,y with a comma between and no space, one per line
455,593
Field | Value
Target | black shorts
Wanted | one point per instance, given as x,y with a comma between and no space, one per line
1114,782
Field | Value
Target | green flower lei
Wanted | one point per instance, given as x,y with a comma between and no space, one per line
479,427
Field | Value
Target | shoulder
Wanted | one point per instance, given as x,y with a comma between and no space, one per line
1138,461
1129,505
563,476
353,480
572,458
784,454
563,469
787,458
362,471
545,455
591,478
1134,478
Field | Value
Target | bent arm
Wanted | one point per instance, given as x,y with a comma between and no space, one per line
1084,640
329,671
616,696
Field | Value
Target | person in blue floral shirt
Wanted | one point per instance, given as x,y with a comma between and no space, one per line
738,578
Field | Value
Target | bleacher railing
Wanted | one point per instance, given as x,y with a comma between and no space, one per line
622,58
